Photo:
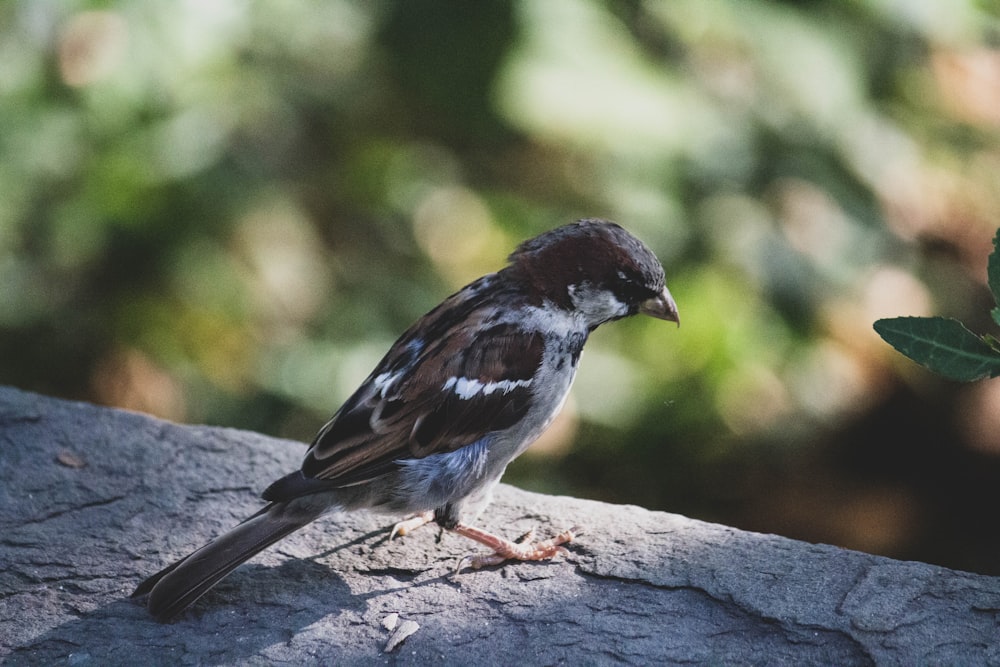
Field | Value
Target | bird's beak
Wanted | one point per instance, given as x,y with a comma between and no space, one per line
662,307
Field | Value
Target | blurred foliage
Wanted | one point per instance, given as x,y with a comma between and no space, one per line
225,212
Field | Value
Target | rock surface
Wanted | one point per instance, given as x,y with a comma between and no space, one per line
92,500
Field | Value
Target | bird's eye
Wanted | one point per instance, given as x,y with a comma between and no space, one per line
633,288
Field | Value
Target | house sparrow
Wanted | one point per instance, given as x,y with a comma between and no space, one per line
458,396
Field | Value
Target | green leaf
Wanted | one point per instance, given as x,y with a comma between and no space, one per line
944,346
996,315
993,272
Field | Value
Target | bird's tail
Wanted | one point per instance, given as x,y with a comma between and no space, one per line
176,587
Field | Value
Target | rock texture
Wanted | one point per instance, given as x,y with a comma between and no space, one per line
92,500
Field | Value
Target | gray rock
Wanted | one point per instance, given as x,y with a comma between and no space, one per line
92,500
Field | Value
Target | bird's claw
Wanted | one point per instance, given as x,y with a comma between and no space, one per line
521,549
410,524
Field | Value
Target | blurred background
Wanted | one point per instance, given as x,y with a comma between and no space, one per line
224,212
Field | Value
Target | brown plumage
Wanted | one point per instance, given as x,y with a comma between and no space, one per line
458,396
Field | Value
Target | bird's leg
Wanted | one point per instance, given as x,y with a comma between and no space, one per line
411,523
504,549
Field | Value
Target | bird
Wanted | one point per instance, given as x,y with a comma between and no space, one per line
458,396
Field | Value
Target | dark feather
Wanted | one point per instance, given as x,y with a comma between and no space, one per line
415,416
174,588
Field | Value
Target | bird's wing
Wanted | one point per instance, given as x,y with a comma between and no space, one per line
427,396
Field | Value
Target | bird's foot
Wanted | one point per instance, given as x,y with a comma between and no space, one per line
504,549
410,524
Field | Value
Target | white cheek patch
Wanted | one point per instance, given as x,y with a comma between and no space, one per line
598,304
466,388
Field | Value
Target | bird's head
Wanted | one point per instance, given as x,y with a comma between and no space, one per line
597,269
